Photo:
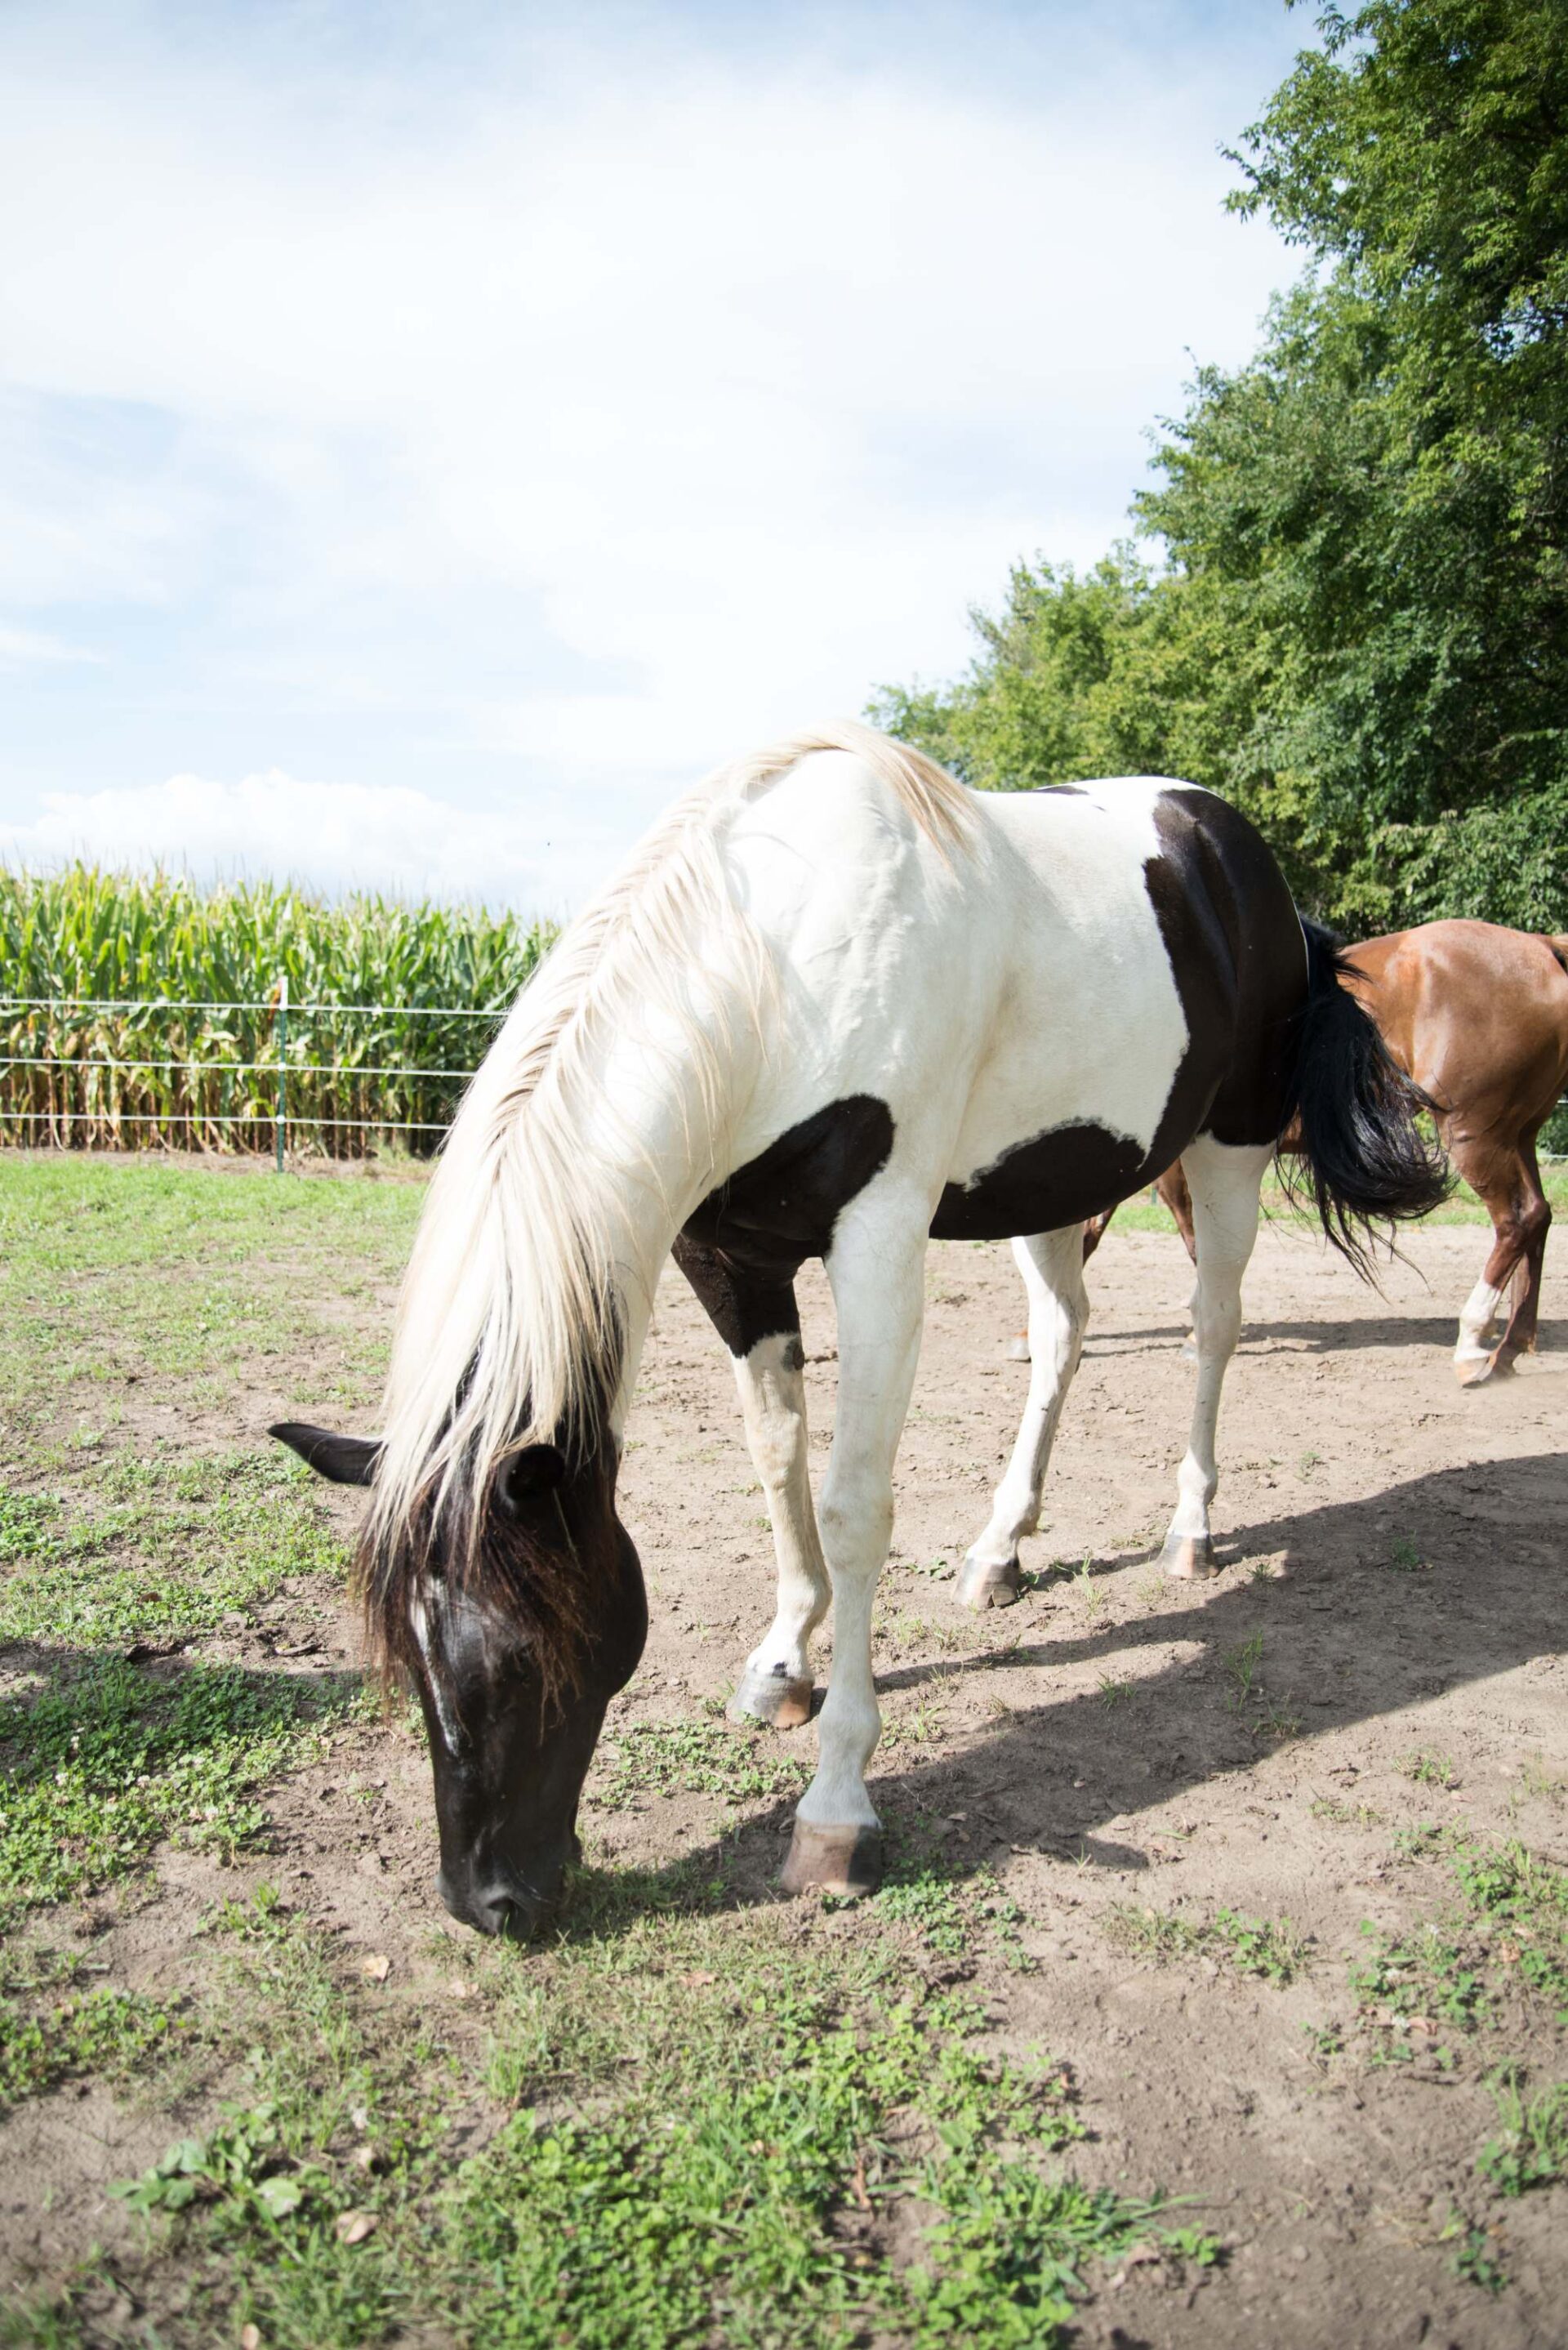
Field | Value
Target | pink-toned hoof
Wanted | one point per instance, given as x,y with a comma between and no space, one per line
844,1861
1478,1371
1189,1559
980,1586
775,1698
1019,1350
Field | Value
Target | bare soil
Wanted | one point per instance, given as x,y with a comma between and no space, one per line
1398,1544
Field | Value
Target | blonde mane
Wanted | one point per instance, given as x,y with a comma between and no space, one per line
508,1330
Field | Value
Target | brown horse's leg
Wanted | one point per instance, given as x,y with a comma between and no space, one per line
1533,1219
1509,1182
1172,1189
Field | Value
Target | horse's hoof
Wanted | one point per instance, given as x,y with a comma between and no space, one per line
776,1699
1478,1371
1019,1350
1188,1558
844,1861
980,1586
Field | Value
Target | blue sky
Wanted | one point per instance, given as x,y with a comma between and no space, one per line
429,436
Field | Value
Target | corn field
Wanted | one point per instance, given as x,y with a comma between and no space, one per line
181,990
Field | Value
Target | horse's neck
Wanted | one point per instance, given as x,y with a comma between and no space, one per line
668,1126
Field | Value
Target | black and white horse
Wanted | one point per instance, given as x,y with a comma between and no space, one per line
835,1006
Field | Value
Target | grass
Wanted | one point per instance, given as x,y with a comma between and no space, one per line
111,1760
1270,1949
751,2136
155,1549
693,1758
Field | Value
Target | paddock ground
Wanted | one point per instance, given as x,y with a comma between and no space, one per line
1252,1896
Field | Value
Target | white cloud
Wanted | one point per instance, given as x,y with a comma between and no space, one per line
22,646
611,410
337,837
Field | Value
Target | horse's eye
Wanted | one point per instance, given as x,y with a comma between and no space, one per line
526,1476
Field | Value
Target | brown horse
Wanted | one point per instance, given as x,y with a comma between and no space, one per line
1478,1017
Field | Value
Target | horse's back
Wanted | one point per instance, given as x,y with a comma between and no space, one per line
1476,1013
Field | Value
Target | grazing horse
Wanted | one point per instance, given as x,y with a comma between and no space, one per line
1478,1016
835,1004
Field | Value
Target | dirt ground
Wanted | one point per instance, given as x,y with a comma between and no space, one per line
1394,1554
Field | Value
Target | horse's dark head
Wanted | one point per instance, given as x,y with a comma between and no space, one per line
517,1618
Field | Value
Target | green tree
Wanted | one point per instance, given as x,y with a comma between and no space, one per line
1360,631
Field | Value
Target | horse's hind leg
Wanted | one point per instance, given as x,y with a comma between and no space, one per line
1052,1264
1224,1184
1510,1183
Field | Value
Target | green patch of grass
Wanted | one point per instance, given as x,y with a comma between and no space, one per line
110,2034
733,2149
175,1547
692,1758
1523,1902
1341,1814
1474,2259
108,1762
1429,1769
1426,1973
1532,2149
1260,1713
1268,1949
1404,1558
109,1268
1114,1692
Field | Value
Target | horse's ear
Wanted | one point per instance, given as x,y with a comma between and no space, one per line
525,1476
344,1460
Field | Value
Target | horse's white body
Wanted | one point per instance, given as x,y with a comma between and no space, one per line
989,986
940,984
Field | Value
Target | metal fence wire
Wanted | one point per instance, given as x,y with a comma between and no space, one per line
254,1074
245,1074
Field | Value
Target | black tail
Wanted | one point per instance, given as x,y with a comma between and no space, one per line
1367,1161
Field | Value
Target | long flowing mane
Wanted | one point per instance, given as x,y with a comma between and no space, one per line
508,1332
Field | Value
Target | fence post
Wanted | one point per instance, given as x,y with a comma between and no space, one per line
282,1121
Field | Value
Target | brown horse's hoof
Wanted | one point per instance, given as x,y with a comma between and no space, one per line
1189,1560
775,1698
980,1586
1019,1350
844,1861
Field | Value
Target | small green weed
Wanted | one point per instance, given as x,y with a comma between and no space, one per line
1114,1692
1475,2259
1532,2150
1429,1769
1404,1558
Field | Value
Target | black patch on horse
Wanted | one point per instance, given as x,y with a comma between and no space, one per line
742,1248
1231,930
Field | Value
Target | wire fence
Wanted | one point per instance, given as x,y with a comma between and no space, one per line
245,1074
259,1074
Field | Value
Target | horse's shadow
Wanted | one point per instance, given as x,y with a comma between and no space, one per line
1379,1606
1321,1337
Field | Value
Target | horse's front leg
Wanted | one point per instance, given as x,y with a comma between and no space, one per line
776,1684
760,1323
1224,1183
875,1268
